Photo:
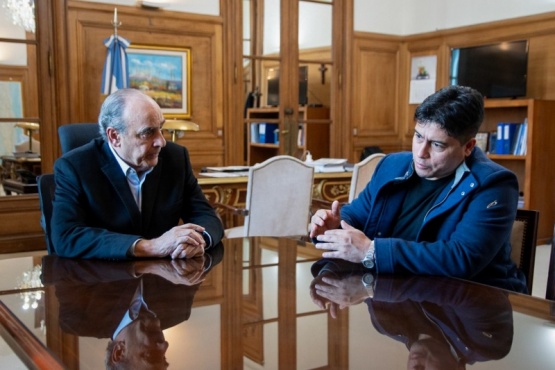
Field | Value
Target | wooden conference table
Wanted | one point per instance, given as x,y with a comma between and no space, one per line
253,309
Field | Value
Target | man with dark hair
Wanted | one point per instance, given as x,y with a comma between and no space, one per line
444,209
123,195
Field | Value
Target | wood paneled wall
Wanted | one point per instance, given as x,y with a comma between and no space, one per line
381,114
88,25
376,94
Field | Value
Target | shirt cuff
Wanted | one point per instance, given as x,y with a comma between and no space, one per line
131,250
207,239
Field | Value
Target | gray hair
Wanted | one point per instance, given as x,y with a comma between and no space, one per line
113,110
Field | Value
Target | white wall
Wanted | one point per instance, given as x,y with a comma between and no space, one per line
407,17
397,17
208,7
394,17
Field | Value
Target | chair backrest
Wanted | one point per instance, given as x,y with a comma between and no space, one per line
46,187
279,194
523,243
74,135
550,292
362,173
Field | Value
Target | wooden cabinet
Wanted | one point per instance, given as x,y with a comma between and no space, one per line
535,169
263,133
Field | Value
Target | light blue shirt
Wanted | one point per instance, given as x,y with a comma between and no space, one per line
135,185
134,180
132,314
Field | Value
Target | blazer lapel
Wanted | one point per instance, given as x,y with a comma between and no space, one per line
150,193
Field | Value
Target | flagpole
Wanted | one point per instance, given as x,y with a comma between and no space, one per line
115,23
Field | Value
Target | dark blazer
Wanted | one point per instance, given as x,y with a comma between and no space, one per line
94,295
95,215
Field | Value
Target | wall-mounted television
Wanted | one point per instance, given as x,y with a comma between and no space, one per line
497,70
273,86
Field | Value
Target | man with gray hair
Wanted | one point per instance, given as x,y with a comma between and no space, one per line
130,193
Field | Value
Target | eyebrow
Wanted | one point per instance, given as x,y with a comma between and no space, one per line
432,141
147,130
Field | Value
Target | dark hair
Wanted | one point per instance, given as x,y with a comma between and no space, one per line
459,110
113,110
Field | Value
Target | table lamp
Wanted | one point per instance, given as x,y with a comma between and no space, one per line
173,126
29,127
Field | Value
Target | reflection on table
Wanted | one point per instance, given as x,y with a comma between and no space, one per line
259,308
448,325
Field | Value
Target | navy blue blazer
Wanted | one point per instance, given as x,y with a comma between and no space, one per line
95,215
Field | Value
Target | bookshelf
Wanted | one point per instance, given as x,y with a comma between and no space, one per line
262,141
536,176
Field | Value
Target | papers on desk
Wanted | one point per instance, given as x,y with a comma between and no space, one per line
26,155
228,171
224,174
330,165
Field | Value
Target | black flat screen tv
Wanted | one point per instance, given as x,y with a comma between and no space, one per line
497,70
273,86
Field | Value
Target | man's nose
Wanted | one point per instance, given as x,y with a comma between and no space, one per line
160,140
423,150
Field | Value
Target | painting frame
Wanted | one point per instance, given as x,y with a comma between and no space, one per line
164,73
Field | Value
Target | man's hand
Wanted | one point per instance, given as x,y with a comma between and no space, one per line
324,220
182,272
335,293
183,241
347,243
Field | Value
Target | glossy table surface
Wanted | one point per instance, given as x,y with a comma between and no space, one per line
259,303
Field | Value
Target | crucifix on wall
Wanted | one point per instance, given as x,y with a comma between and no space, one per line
323,70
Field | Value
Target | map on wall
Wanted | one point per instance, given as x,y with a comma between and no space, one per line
422,78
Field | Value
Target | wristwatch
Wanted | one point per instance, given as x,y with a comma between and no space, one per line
369,261
368,281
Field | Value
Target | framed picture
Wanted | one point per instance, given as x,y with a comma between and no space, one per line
164,73
423,78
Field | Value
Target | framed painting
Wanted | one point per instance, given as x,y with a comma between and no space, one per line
164,73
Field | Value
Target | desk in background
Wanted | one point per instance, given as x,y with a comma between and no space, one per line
232,190
13,181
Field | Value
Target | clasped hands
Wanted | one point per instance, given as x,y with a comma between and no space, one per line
347,243
183,241
180,272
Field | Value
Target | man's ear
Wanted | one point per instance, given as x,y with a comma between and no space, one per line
469,146
113,136
118,353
